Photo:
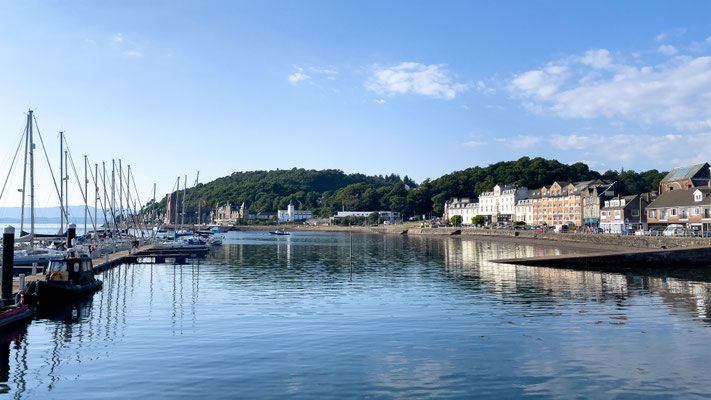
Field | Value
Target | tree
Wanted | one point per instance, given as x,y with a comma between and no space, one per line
373,218
456,220
478,220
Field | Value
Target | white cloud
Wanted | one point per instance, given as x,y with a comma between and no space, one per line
661,152
118,38
298,76
667,49
708,39
541,84
411,77
677,93
599,58
671,33
481,87
380,101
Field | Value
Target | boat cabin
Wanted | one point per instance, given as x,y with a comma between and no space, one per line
70,269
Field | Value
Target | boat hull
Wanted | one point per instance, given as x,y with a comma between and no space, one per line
14,316
59,291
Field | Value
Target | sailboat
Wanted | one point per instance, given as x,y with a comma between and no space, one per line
31,255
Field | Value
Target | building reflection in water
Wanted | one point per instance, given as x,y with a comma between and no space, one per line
471,258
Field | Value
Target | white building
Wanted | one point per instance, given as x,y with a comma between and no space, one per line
291,215
500,204
384,215
461,206
524,211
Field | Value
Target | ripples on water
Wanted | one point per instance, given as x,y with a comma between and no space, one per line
275,317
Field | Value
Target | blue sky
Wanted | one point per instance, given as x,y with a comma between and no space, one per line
415,88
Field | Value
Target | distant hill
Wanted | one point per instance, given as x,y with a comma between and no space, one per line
327,191
46,215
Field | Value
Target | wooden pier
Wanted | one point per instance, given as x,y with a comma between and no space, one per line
145,253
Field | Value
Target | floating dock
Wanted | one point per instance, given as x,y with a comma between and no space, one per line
143,254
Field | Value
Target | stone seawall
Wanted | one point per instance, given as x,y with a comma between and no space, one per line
648,242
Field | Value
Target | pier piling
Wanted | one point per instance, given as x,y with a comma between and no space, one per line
8,263
71,234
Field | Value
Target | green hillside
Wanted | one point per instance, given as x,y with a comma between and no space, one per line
326,191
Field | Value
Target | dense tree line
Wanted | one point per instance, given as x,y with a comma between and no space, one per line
327,191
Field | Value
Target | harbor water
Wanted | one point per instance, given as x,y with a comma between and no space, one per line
311,316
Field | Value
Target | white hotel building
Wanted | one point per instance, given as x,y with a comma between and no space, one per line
497,206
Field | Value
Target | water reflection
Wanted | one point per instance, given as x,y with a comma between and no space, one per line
471,259
418,317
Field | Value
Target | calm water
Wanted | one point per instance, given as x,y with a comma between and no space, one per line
276,317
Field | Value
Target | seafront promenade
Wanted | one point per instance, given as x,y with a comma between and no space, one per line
600,241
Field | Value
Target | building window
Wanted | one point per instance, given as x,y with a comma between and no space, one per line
672,212
652,213
697,196
695,211
635,212
617,213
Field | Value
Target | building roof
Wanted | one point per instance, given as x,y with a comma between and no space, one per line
687,172
683,197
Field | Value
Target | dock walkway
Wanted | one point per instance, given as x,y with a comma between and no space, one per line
100,264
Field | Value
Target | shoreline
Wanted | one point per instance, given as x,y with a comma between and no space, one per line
594,243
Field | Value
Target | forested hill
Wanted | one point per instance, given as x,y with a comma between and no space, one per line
328,191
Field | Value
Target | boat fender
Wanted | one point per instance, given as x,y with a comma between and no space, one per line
20,298
76,267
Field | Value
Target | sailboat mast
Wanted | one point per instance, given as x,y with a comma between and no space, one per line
120,194
66,182
61,185
106,197
86,194
182,215
96,197
177,193
32,185
154,204
113,188
128,197
197,179
24,171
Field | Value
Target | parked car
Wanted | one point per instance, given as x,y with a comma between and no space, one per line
674,230
561,228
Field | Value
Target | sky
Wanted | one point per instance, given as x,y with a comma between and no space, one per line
407,87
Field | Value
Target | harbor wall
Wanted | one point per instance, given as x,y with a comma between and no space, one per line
648,242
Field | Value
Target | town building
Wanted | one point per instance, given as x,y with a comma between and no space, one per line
625,213
173,208
499,205
524,211
389,216
292,215
557,204
680,178
593,197
228,215
464,207
690,207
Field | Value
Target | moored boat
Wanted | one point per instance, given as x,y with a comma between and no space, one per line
65,279
279,232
